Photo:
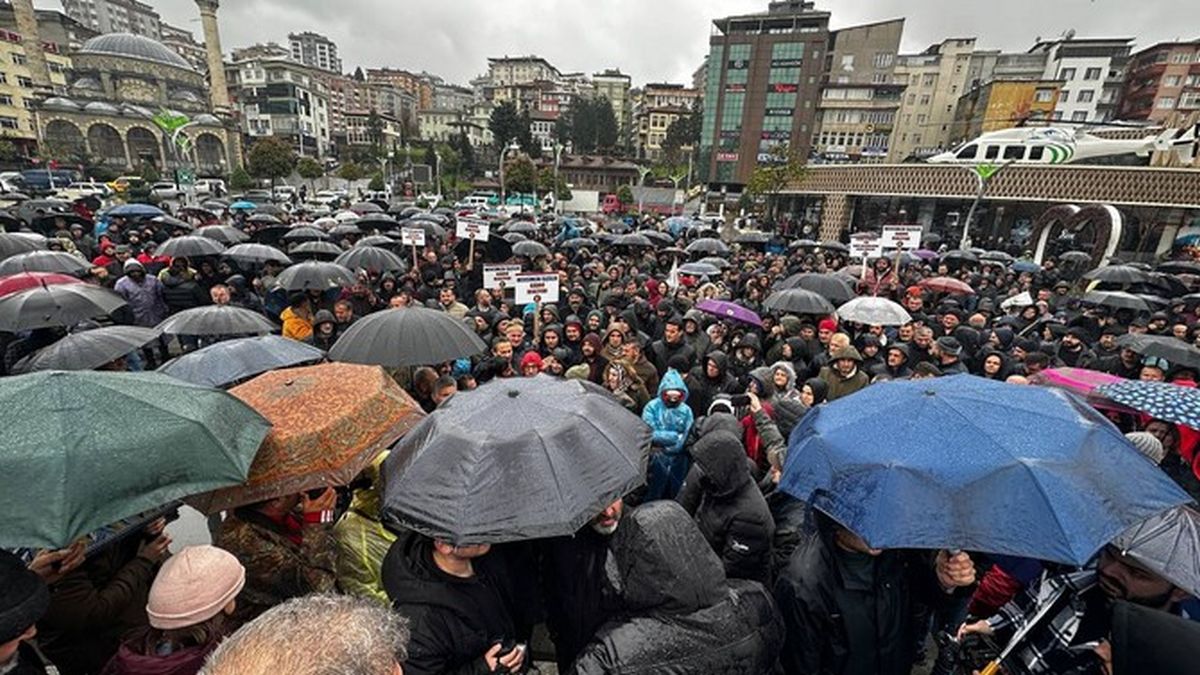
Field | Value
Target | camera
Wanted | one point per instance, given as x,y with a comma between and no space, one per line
740,400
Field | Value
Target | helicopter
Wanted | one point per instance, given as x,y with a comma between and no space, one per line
1067,145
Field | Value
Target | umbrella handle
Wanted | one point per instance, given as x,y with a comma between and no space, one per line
992,668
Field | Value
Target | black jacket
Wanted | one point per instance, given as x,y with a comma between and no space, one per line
661,353
181,292
680,615
453,621
572,572
702,390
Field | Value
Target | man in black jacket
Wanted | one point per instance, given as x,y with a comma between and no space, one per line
672,344
707,380
895,363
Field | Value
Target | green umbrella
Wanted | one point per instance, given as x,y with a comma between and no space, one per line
83,449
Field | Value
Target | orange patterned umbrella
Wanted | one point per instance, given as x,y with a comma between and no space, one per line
328,422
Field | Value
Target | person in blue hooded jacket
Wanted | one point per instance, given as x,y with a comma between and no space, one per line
671,422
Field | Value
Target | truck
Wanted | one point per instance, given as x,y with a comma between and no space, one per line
581,201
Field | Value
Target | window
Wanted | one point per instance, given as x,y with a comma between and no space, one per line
1171,81
9,123
848,62
1192,81
967,152
1091,74
18,59
1085,96
879,78
1190,100
924,99
884,60
1166,102
912,99
1063,96
1181,57
992,152
928,80
1057,115
1035,153
1079,116
1043,95
24,82
1014,152
1066,74
5,99
921,119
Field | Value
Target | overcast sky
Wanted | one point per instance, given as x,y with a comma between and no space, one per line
652,40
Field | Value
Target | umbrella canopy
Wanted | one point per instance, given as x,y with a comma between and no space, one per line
495,249
947,285
12,244
223,233
43,261
514,237
568,449
997,256
699,269
263,218
169,223
1058,486
230,361
707,246
1167,544
316,250
520,227
835,246
372,259
719,263
1115,300
872,311
216,320
804,243
635,240
1162,400
327,423
580,242
15,283
305,233
1118,274
61,478
345,230
315,275
375,221
961,257
1025,267
729,311
413,336
659,238
798,301
1074,257
58,305
530,249
256,253
1081,382
189,247
365,207
1179,267
243,206
752,237
380,240
1175,351
925,254
88,349
137,211
831,287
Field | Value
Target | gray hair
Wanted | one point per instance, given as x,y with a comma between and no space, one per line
316,635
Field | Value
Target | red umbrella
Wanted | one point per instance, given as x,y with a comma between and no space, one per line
947,285
15,283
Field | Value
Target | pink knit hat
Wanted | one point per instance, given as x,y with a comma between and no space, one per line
192,586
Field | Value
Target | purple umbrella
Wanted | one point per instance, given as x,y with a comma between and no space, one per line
925,254
730,311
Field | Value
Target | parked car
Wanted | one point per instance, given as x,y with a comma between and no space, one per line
80,190
166,190
258,196
44,181
283,193
211,187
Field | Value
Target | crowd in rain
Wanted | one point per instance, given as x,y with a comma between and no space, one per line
773,394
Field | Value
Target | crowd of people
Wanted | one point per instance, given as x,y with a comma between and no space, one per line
710,568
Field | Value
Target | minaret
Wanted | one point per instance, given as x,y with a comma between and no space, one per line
27,26
216,61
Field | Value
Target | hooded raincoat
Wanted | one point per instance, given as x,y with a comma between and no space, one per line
671,426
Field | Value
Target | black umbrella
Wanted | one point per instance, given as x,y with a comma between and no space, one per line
256,253
372,259
305,233
43,261
379,240
270,234
376,221
798,301
56,305
961,257
1075,257
567,451
660,238
836,246
217,205
719,263
223,233
230,361
514,237
495,249
997,256
832,288
432,229
803,243
635,240
218,320
752,238
172,223
189,247
365,207
1175,351
316,250
264,219
315,275
413,336
1180,267
520,226
617,227
1115,300
707,247
345,229
1118,274
530,249
89,349
579,242
14,244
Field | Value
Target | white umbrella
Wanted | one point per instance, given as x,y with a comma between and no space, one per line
874,311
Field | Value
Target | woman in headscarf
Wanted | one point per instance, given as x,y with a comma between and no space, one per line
623,383
814,392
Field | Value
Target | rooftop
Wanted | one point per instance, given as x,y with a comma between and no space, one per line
133,46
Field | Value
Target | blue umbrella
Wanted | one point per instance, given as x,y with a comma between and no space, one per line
1162,400
243,206
1021,266
231,361
137,211
969,463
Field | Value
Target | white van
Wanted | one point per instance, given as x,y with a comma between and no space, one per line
478,202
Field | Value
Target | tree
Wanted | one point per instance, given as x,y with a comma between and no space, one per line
683,132
431,155
529,145
547,183
606,124
783,168
520,175
376,184
149,173
351,171
625,195
505,124
309,169
271,158
375,134
462,145
240,179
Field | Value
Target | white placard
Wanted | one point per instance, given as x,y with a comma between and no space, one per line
412,236
903,237
541,288
865,246
470,228
500,276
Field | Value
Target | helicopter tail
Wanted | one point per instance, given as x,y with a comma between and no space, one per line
1185,143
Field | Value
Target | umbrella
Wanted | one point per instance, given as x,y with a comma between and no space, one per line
1180,267
217,205
1026,267
873,311
634,240
136,211
413,336
835,246
719,263
1081,382
328,422
316,250
659,238
947,285
925,254
270,234
242,206
173,223
12,244
346,217
57,305
344,230
1115,300
380,240
372,259
997,256
707,246
365,207
216,320
1161,400
223,363
530,249
828,286
15,283
1176,351
750,237
1075,257
699,269
223,233
43,261
520,227
88,349
730,311
189,247
432,229
514,237
798,301
1118,274
1058,486
375,221
268,209
86,449
305,233
804,243
568,449
579,242
495,249
256,253
315,275
1167,544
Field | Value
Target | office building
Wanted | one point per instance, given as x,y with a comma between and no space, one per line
1093,75
1162,83
1004,104
116,16
277,96
315,51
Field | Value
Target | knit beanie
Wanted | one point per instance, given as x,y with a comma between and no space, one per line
193,586
1147,444
23,597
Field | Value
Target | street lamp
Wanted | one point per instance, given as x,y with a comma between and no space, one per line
984,173
642,171
558,150
512,145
